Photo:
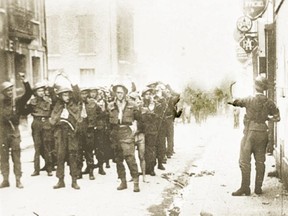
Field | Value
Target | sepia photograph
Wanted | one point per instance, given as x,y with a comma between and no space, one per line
143,108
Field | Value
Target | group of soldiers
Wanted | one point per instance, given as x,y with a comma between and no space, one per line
75,124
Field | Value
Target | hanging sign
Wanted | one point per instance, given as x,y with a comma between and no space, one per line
254,8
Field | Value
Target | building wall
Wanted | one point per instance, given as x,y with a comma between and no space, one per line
282,89
66,28
22,40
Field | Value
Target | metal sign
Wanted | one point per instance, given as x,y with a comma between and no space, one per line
254,8
244,24
241,54
249,43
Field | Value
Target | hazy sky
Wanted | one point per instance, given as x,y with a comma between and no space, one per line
178,40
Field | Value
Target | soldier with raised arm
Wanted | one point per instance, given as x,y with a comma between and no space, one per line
10,110
259,109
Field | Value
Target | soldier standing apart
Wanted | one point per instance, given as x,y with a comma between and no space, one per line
10,111
40,109
65,117
259,109
122,113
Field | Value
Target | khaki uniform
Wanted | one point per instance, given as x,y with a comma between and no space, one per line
9,132
255,137
123,139
65,118
42,131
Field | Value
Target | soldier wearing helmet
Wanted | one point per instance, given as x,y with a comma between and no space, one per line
40,108
122,114
103,144
150,123
259,109
10,110
140,136
86,133
161,127
65,117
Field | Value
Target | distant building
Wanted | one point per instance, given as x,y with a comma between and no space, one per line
90,40
22,40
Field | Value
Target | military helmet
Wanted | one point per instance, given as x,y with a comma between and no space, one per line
39,85
114,88
134,95
84,88
94,88
153,85
5,85
261,83
161,87
145,90
63,89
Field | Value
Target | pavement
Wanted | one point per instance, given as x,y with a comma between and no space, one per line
198,180
217,174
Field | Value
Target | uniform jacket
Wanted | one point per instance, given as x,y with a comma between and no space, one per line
102,119
130,113
9,118
151,118
258,108
73,108
40,107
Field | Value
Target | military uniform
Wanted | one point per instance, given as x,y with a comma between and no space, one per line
150,122
169,123
160,111
42,132
10,134
101,140
255,139
123,140
86,138
65,118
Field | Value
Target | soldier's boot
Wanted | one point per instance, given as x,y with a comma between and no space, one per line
49,171
242,191
258,182
101,170
152,173
5,182
91,175
160,166
245,186
18,183
60,184
74,184
35,173
136,184
258,190
123,185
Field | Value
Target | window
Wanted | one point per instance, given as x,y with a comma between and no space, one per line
53,35
86,34
87,75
